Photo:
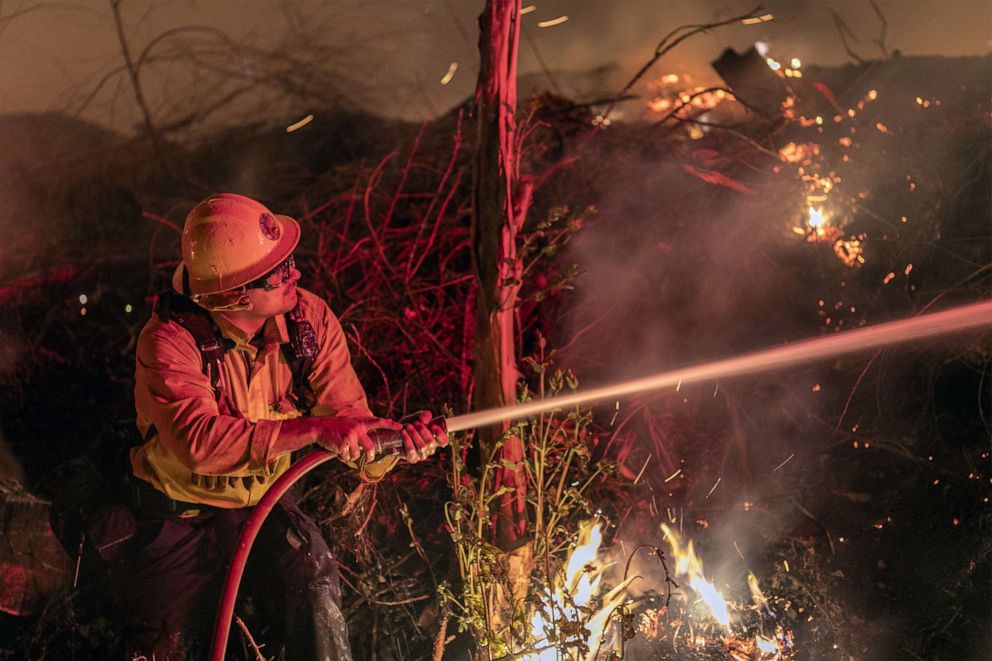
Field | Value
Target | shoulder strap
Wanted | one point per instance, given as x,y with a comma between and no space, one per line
300,353
198,323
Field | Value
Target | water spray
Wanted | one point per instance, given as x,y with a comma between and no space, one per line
963,318
959,319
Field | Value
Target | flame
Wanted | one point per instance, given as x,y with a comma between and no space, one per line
572,596
766,645
579,583
757,596
815,218
688,564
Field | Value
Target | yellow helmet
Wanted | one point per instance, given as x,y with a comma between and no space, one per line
230,240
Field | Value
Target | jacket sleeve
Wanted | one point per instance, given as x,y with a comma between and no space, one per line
174,394
336,387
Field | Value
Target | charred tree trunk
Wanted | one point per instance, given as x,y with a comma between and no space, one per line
496,222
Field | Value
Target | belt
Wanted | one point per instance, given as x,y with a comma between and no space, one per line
149,501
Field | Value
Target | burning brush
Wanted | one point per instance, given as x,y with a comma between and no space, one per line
726,629
581,620
574,619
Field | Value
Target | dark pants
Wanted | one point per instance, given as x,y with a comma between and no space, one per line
169,586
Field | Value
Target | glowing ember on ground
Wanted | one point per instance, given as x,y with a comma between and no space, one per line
659,104
850,251
798,153
676,97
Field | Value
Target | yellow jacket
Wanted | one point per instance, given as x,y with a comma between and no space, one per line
219,452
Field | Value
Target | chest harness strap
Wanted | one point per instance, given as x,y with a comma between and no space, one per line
300,353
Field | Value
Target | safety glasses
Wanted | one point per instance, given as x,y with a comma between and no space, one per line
275,278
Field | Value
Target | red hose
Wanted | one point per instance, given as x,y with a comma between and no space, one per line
386,441
225,612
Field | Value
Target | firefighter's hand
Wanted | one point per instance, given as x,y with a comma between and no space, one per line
349,437
421,438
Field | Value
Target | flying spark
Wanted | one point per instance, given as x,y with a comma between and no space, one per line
553,22
715,485
452,68
646,462
300,124
787,460
755,20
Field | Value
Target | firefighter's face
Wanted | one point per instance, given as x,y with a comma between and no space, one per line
280,299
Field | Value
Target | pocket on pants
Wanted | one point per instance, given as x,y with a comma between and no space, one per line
112,531
161,535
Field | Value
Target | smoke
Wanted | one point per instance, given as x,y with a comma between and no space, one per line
678,270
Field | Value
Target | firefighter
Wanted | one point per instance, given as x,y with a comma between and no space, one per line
235,371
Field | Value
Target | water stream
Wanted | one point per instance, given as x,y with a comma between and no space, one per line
958,319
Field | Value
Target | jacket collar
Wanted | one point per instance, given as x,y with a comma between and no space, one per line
274,332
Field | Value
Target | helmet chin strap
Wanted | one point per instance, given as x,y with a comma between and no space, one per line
236,300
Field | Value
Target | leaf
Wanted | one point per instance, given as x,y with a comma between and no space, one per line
511,466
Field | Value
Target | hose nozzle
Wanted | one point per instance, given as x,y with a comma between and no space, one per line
389,442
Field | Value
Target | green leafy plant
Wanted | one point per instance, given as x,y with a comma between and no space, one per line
559,474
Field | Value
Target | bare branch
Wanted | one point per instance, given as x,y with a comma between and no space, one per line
844,32
670,41
249,639
882,30
132,71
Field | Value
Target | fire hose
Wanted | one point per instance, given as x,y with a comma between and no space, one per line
961,318
386,442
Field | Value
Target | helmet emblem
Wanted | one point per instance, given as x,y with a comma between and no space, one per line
270,226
